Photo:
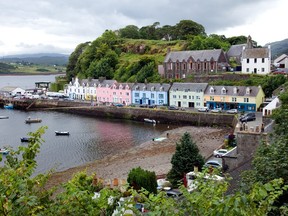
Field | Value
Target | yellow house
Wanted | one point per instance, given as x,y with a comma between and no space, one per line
242,98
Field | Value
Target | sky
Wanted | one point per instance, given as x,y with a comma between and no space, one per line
58,26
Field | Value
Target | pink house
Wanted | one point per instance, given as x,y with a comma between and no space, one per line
121,93
104,91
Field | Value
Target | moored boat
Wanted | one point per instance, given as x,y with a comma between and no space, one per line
25,139
8,106
63,133
36,120
150,120
4,151
4,117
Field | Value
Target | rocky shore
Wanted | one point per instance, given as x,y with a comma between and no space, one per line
154,155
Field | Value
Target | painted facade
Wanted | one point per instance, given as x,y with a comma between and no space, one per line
150,93
256,60
188,95
243,98
121,93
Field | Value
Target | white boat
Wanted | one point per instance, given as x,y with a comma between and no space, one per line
150,120
4,151
30,120
4,117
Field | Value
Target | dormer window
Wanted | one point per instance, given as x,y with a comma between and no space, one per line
153,88
161,88
223,90
248,90
120,87
235,90
212,90
144,88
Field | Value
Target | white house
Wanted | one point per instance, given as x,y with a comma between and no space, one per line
268,109
281,61
256,60
11,91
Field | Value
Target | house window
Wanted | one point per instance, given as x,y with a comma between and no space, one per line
152,95
263,60
234,99
127,93
247,90
114,93
177,66
144,95
246,100
247,69
184,96
255,60
235,90
136,94
161,96
197,97
262,69
247,61
223,90
184,66
212,90
191,64
222,99
197,104
174,96
189,96
211,98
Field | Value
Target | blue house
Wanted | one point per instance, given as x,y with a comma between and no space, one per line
150,93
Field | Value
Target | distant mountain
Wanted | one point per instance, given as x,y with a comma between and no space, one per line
39,58
278,48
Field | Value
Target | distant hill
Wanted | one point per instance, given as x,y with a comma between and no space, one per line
38,59
278,48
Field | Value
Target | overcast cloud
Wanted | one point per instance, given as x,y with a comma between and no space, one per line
33,26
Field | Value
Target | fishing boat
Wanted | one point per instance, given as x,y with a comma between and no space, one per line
25,139
8,106
62,133
4,151
150,120
36,120
4,117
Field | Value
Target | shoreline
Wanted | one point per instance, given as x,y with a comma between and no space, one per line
151,155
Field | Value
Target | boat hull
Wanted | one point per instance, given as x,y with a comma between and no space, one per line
62,133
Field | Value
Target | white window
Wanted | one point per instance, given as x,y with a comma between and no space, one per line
235,90
212,90
247,90
223,90
234,99
246,100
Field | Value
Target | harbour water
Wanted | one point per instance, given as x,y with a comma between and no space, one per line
90,138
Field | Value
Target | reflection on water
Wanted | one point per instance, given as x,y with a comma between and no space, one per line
90,138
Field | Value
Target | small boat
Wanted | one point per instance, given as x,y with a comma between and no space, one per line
25,139
8,106
159,139
150,120
4,117
63,133
4,151
29,120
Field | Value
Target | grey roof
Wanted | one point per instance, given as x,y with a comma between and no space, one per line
148,86
256,53
201,55
124,85
235,50
8,88
241,90
194,87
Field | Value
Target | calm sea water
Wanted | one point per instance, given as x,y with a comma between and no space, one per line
90,138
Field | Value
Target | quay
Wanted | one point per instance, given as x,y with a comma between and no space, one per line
160,115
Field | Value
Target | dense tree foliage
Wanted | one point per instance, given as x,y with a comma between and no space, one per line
185,158
139,178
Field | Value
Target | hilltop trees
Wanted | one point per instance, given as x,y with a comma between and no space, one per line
185,158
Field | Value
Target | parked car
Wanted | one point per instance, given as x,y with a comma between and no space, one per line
143,105
248,117
173,108
118,105
175,194
220,152
232,111
216,110
203,109
213,163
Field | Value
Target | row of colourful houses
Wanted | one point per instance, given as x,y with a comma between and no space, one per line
186,95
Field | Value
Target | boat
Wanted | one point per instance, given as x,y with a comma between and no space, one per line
25,139
4,151
159,139
8,106
4,117
150,120
63,133
36,120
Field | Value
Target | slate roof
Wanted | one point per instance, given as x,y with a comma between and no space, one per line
256,53
193,87
8,88
195,54
241,90
235,50
149,86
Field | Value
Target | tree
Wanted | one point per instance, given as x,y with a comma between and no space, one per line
185,158
139,178
189,27
130,31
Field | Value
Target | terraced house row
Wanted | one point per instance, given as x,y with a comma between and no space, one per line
186,95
